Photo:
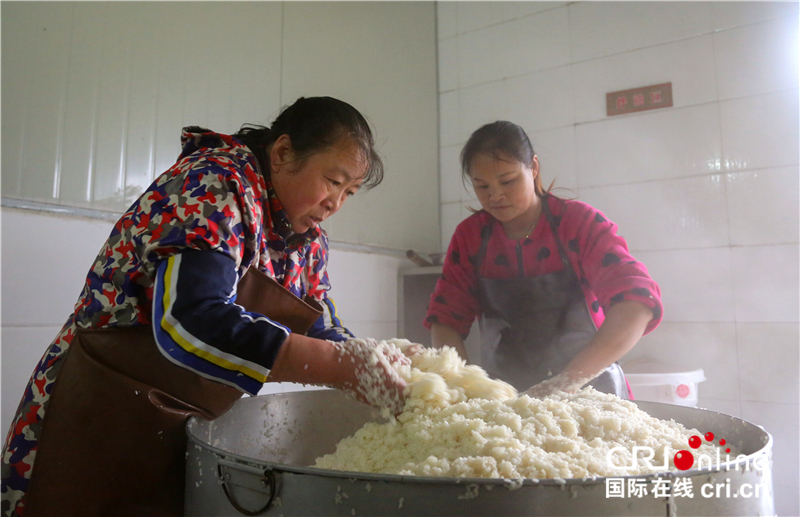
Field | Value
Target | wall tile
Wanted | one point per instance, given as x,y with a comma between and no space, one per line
376,329
31,241
447,64
781,421
767,280
364,286
514,48
540,100
646,146
763,206
696,285
760,131
478,53
476,15
535,42
725,15
687,64
556,151
21,349
759,58
603,28
659,215
450,186
446,19
451,216
769,362
38,89
686,346
480,105
448,119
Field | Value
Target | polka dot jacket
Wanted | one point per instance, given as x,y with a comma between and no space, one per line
607,272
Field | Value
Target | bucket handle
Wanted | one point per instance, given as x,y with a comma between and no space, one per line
266,478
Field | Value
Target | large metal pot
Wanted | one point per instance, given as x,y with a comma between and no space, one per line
254,460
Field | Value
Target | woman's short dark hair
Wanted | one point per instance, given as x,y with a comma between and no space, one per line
314,124
502,140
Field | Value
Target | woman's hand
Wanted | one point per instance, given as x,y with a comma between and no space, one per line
373,378
624,324
363,368
442,335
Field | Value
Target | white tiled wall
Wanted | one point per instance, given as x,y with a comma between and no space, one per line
705,192
45,261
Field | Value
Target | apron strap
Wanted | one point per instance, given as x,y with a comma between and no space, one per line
554,229
486,233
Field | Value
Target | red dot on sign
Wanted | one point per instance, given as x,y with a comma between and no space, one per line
727,450
722,442
710,437
694,442
683,460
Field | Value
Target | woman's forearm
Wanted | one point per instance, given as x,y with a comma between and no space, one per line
624,325
442,335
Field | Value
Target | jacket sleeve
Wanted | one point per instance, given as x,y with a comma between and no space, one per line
604,263
454,302
198,325
328,325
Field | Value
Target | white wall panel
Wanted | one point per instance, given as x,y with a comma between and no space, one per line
760,131
649,146
448,64
448,119
540,100
556,151
479,105
507,49
767,280
688,64
99,91
604,28
42,33
43,273
697,285
385,67
451,186
446,20
476,15
763,378
763,206
691,345
759,58
670,214
726,15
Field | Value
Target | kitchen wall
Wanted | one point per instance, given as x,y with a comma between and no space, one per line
94,95
705,192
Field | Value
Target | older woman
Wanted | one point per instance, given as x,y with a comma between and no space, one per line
212,283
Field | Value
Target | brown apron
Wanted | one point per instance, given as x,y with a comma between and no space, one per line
113,440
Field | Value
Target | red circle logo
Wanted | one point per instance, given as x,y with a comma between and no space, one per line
682,390
683,460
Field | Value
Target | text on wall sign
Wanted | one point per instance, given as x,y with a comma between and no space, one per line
639,99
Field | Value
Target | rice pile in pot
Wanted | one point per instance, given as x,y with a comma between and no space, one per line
457,422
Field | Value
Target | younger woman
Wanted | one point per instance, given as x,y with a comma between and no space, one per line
559,296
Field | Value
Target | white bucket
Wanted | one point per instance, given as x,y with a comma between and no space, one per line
656,382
